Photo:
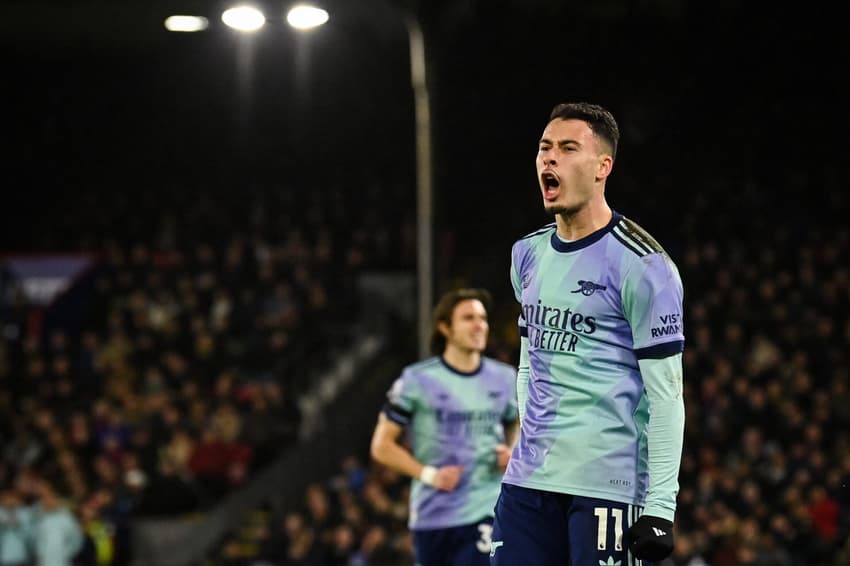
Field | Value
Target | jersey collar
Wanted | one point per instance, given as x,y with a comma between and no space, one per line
591,238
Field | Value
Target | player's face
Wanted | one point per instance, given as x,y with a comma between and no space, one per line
469,327
571,163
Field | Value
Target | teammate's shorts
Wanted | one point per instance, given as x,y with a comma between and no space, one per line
466,545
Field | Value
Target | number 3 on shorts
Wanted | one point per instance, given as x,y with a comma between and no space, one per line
483,543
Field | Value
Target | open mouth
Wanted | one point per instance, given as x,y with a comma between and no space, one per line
550,183
550,180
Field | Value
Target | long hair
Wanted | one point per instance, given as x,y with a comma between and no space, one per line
445,309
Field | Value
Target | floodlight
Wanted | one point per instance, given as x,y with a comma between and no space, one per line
304,16
186,23
244,18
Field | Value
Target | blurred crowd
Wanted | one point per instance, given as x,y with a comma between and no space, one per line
357,517
765,474
180,378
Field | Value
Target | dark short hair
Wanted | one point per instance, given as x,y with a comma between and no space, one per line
445,309
600,120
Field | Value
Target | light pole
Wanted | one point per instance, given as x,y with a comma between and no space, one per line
424,177
424,199
305,17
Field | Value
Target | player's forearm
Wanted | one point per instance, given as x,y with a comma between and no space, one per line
397,457
663,382
511,433
666,427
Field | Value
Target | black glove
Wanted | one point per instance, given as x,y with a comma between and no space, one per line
650,538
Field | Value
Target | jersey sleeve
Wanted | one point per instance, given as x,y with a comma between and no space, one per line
402,399
516,283
665,433
516,278
522,378
652,301
523,367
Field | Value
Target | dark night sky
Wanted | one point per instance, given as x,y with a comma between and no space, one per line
697,88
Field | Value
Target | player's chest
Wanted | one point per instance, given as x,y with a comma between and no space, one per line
564,292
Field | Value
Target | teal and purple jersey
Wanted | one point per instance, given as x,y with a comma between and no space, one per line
454,418
591,309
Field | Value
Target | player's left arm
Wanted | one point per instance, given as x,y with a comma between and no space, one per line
651,536
662,379
652,302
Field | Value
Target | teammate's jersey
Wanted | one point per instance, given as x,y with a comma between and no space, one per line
454,418
591,309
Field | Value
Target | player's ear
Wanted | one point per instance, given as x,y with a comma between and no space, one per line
606,163
443,328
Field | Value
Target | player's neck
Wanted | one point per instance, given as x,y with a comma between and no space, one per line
583,222
466,361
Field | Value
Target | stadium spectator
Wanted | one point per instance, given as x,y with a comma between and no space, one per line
56,534
15,529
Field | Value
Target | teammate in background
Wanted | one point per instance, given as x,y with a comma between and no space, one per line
459,409
593,478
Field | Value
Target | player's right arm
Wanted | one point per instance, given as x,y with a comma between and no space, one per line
522,376
385,449
523,367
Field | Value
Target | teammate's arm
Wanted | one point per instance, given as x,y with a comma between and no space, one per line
503,451
511,433
386,449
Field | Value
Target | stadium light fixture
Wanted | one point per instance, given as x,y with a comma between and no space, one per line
186,23
243,18
305,16
302,14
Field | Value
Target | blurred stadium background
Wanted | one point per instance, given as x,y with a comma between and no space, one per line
208,264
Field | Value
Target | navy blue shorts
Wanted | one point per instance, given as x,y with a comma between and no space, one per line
541,528
467,545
